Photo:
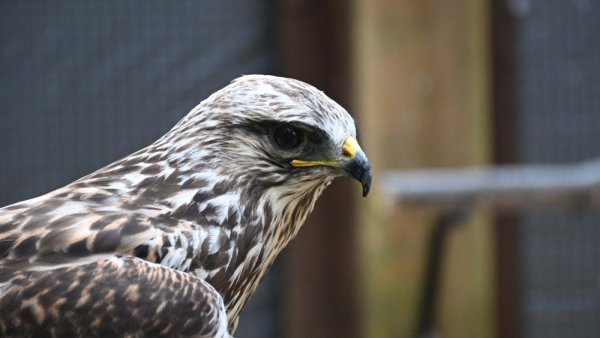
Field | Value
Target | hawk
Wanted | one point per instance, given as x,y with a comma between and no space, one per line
173,239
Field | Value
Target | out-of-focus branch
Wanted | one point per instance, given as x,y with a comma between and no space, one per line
513,187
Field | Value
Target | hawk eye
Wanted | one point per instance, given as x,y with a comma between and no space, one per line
288,137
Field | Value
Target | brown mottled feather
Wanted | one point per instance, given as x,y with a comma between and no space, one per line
136,299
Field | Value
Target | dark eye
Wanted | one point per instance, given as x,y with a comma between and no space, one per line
288,137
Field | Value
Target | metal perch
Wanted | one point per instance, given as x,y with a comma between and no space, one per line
513,187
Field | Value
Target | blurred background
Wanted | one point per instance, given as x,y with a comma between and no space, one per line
432,84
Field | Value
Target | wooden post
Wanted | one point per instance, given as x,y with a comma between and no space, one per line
320,267
506,232
422,93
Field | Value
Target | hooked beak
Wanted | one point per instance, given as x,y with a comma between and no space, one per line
353,163
356,164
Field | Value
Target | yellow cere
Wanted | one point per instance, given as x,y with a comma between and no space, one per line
350,146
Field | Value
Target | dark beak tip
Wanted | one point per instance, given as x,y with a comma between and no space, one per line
360,169
366,182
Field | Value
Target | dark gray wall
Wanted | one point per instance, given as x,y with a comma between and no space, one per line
85,83
557,55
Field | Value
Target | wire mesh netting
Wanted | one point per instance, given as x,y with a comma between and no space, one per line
85,83
558,53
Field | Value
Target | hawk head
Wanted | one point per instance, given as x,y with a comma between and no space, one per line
270,134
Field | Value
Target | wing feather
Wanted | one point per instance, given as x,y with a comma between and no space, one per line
111,297
33,236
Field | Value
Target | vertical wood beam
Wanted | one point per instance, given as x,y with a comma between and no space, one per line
508,306
423,91
320,277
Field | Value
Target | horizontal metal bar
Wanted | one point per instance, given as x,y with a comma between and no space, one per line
518,186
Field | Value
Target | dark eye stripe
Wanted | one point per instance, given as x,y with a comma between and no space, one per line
311,133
